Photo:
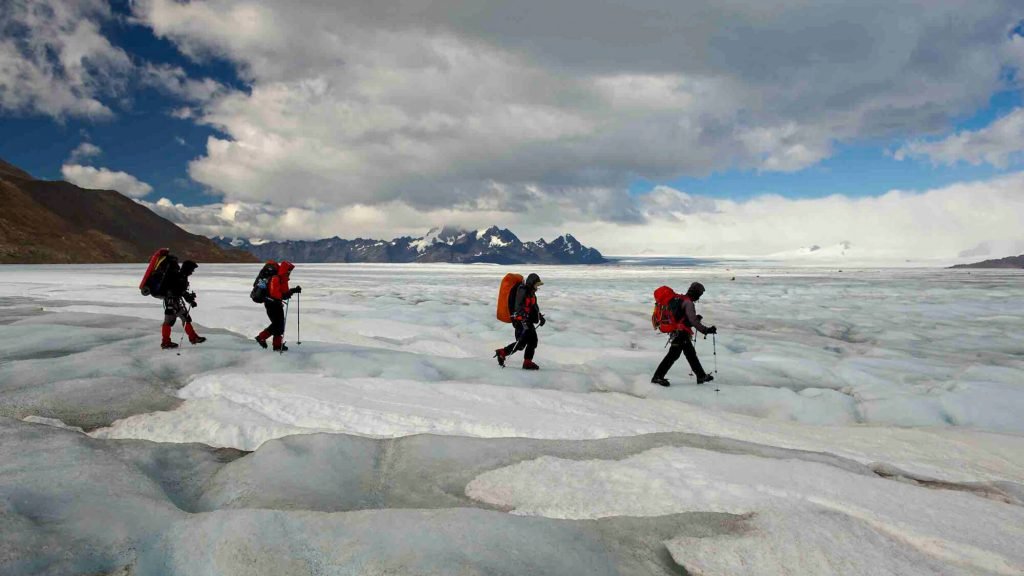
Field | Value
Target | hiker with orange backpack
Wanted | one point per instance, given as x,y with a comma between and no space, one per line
275,295
524,312
677,315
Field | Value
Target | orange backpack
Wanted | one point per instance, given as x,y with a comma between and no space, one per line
506,293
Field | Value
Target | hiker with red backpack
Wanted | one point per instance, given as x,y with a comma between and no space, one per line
176,294
271,288
676,314
166,280
517,300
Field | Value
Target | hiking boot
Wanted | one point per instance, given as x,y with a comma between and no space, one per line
500,355
529,365
281,348
261,338
660,382
197,340
705,378
168,345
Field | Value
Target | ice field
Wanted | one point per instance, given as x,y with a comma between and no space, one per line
861,422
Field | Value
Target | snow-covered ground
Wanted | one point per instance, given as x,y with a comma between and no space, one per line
863,421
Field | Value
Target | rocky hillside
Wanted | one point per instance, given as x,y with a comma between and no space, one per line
493,245
56,222
1008,262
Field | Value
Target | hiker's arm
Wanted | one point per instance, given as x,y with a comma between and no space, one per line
691,317
520,310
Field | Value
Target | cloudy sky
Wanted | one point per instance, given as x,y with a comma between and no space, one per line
697,128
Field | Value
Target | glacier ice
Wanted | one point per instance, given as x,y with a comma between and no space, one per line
864,422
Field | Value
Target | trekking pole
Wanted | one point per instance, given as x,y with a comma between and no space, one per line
284,329
714,347
181,339
298,318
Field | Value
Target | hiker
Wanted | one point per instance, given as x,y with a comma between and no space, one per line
525,314
176,294
684,315
277,293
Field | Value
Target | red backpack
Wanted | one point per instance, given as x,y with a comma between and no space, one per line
662,319
153,278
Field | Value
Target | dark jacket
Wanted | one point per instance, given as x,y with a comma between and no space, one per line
526,306
175,283
684,310
176,279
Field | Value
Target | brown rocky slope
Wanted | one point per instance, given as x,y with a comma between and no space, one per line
56,222
1008,262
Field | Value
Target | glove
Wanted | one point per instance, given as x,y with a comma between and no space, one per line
191,299
712,330
542,320
297,290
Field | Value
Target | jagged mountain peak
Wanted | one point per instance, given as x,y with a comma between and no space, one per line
439,244
449,233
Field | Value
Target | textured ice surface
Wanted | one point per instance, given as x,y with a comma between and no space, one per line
70,504
922,530
907,348
825,379
246,410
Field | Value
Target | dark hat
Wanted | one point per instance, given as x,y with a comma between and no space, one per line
188,267
695,290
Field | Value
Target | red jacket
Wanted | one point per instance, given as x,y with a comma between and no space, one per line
278,287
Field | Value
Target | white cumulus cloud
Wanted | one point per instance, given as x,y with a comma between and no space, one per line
84,151
939,226
104,179
438,104
54,59
997,144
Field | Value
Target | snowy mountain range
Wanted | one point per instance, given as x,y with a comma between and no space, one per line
445,244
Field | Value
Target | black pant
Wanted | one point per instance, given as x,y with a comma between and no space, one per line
275,311
526,337
681,344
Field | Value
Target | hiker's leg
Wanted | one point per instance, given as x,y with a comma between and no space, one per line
275,310
691,356
674,350
530,343
193,337
517,344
